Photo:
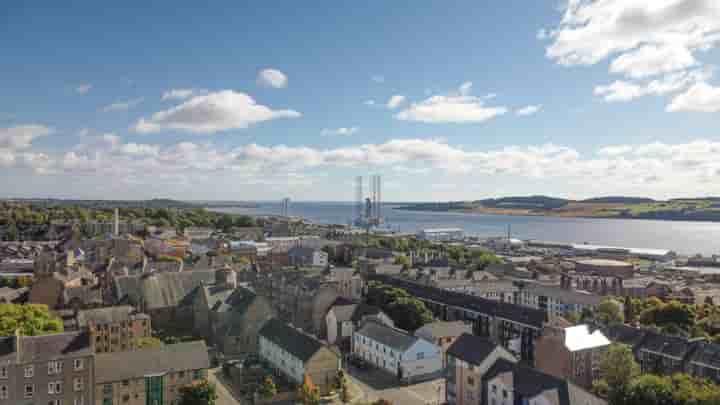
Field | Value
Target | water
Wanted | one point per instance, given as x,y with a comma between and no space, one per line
681,236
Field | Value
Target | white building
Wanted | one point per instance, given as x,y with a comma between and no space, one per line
441,234
408,357
557,301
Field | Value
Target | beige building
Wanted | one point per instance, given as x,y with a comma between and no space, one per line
55,369
151,376
114,329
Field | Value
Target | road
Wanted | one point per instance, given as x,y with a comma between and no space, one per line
375,385
224,395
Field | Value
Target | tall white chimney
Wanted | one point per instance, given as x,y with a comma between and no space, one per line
117,222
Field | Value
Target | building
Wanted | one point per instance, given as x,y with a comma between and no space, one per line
441,234
344,317
149,376
114,329
605,267
301,257
556,301
283,243
468,359
55,369
197,232
296,354
571,353
443,333
514,326
401,354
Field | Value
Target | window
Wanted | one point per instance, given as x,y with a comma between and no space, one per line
55,402
55,367
3,392
29,371
494,388
107,390
420,356
3,372
197,374
55,387
79,400
504,393
29,390
78,364
125,383
78,385
471,380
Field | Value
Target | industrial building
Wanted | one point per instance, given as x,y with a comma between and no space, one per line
441,234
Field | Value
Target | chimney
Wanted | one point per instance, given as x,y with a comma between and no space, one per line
117,222
18,346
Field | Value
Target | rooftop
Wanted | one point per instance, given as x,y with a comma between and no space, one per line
295,342
580,338
391,337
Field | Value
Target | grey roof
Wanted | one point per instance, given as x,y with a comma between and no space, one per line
136,364
353,312
108,315
392,337
293,341
46,347
471,348
624,334
86,294
439,329
707,354
301,252
161,290
674,346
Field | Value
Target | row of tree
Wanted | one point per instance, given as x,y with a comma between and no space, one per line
622,383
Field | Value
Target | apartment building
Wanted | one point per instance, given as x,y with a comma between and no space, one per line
149,376
401,354
296,354
114,329
302,256
55,369
556,301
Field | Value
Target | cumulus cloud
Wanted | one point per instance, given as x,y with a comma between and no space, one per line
528,110
701,97
615,150
272,78
342,131
395,101
83,88
211,113
122,105
456,107
181,94
21,136
620,90
643,39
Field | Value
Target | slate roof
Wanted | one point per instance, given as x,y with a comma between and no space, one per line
392,337
46,347
624,334
108,315
295,342
440,329
674,346
707,354
136,364
516,313
353,312
86,294
471,348
161,290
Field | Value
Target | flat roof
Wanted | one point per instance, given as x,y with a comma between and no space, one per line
604,262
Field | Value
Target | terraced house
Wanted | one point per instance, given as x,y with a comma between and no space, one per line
151,376
52,369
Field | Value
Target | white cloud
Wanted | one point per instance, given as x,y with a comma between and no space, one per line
457,107
643,39
615,150
529,110
21,136
211,113
181,94
620,90
83,88
378,79
343,131
395,101
701,97
272,78
122,105
369,102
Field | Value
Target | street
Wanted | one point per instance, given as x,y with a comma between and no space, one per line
376,384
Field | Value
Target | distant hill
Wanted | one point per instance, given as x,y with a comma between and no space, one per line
619,200
531,202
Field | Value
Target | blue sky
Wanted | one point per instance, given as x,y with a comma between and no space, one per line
279,99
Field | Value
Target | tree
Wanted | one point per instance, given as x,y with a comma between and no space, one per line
573,318
409,313
609,311
268,389
147,342
202,393
11,232
617,369
404,261
382,401
225,222
244,221
342,385
629,309
308,393
29,319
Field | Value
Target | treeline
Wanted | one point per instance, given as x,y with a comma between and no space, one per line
407,312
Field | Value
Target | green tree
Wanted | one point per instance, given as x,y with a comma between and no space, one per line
308,393
649,389
202,393
609,311
244,221
618,369
573,318
409,313
29,319
148,342
268,389
629,309
225,222
11,233
404,261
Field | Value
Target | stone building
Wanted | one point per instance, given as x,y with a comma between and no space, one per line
114,329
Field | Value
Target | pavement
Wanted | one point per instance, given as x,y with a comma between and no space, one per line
225,394
376,384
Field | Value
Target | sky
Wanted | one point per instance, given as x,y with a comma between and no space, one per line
461,100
